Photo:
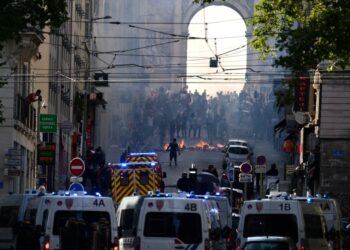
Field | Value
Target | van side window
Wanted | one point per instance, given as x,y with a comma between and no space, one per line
8,216
185,226
45,216
127,219
271,224
314,226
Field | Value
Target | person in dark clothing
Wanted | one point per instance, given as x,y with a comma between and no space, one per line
99,157
273,170
174,150
212,170
183,184
123,156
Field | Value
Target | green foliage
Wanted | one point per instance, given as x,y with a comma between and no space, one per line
17,16
306,32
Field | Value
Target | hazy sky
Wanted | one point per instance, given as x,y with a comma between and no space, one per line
226,38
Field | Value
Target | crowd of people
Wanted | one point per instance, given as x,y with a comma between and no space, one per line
157,118
97,175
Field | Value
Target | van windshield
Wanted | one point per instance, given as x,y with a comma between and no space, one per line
185,226
271,224
80,229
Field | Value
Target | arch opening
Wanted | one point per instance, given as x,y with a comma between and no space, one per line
217,51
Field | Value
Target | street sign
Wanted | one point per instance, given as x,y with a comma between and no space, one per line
260,169
76,187
77,166
12,172
75,179
66,126
244,178
246,168
48,123
13,152
260,160
13,162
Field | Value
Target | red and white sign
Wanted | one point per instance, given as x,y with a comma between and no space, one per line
77,167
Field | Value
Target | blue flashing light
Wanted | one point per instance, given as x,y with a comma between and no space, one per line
85,192
188,195
98,194
206,196
124,165
308,199
75,194
153,164
217,193
67,193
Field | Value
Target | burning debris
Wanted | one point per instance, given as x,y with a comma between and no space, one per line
201,145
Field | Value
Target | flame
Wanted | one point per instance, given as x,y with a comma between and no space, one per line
201,145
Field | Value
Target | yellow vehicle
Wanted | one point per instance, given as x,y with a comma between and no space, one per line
140,174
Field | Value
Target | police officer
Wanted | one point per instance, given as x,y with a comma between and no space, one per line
183,184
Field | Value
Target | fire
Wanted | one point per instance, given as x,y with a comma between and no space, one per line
201,145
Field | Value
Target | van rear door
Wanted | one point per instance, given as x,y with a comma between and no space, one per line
177,230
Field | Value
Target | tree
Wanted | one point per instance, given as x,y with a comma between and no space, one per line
306,32
18,16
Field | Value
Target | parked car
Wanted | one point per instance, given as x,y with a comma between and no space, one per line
269,242
236,142
238,154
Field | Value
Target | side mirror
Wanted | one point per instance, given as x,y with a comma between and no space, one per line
164,174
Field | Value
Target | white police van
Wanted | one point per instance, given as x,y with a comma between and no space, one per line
71,220
12,208
332,215
168,222
302,222
127,219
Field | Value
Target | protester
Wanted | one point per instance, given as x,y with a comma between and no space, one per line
273,170
173,147
212,170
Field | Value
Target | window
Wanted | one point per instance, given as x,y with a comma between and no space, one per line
8,216
124,179
314,226
184,226
271,224
82,229
238,150
127,219
144,179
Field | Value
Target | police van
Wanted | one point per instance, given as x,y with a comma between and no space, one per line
127,219
70,221
12,208
302,222
225,213
182,222
332,214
